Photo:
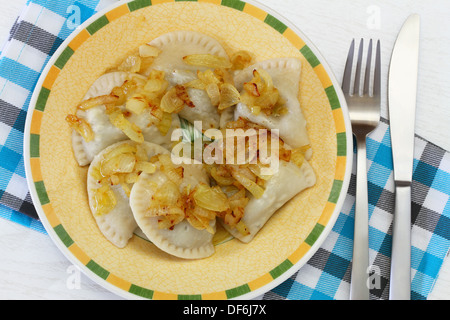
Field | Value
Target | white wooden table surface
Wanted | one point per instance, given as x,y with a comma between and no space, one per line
31,267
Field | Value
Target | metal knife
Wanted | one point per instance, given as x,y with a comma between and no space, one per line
402,94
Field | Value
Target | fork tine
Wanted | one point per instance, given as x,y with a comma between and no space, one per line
358,69
368,65
377,78
348,69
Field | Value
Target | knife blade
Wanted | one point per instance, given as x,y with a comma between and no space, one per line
402,93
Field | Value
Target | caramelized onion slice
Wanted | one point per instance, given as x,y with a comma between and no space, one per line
241,59
207,60
121,163
256,190
171,102
81,126
229,96
104,200
128,128
131,64
98,101
147,50
211,198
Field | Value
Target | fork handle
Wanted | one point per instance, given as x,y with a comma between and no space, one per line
400,280
359,287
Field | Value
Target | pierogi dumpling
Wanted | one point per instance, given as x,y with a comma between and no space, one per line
289,181
285,73
181,240
110,204
176,45
105,133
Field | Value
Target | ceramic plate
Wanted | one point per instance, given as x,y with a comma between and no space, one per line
236,270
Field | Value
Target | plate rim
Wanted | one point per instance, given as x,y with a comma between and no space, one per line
252,293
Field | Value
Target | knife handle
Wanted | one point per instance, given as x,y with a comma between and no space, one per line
359,288
400,281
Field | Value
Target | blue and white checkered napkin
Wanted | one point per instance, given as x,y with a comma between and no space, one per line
43,26
327,274
37,33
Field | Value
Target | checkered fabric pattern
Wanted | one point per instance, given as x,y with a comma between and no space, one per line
327,273
43,26
36,35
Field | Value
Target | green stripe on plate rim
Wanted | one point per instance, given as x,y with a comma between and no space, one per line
97,25
189,296
335,191
314,235
238,291
282,268
236,4
333,98
310,56
42,99
341,138
35,145
42,193
141,292
98,270
63,235
64,57
275,23
139,4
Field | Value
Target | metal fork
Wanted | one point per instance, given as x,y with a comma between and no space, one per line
364,109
